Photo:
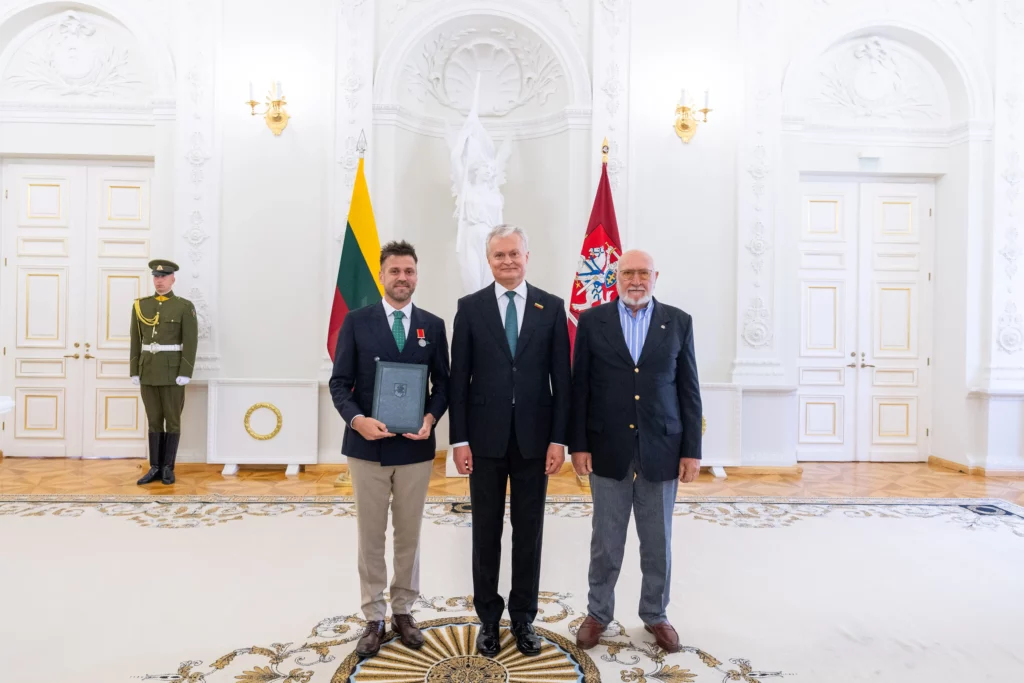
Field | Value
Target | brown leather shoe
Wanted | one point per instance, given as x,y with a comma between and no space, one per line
665,636
589,633
409,633
369,643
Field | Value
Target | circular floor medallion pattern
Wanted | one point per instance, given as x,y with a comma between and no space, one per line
449,655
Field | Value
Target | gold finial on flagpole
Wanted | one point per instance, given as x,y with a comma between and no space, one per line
604,151
361,145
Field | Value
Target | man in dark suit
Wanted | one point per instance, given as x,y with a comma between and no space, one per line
385,466
636,430
510,388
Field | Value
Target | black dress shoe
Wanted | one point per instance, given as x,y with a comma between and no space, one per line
527,640
488,641
369,643
155,458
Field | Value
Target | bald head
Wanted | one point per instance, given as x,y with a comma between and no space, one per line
636,279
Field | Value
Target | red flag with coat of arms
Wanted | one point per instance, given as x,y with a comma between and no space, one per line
596,273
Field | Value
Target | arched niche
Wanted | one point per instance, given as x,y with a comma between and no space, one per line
535,89
77,53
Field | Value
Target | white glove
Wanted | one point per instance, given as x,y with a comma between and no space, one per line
182,381
135,380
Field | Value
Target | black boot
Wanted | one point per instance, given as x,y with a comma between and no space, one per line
170,453
155,449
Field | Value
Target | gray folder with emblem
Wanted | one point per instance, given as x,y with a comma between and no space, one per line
399,396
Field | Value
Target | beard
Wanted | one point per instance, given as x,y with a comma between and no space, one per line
399,294
636,298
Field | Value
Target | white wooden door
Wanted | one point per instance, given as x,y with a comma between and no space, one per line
69,268
44,236
118,221
896,245
865,260
827,372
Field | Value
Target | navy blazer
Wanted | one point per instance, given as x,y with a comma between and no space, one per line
619,405
485,376
364,339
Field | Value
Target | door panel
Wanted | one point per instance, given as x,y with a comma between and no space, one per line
828,295
76,242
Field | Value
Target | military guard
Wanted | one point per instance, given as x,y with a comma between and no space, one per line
165,332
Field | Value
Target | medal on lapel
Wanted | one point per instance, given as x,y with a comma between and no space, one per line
422,337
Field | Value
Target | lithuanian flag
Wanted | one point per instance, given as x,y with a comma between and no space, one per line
357,283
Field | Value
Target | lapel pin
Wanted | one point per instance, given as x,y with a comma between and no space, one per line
539,306
662,327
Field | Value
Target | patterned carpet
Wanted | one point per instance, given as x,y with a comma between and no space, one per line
264,590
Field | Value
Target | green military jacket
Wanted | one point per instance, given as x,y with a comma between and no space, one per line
177,324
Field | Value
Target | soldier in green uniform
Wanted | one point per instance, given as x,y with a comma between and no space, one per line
165,333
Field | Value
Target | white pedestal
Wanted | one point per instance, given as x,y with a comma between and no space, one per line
229,470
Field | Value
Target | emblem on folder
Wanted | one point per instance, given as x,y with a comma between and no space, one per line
401,390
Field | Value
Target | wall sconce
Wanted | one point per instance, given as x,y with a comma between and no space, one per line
275,115
686,122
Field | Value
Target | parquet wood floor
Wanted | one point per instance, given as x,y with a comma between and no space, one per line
818,480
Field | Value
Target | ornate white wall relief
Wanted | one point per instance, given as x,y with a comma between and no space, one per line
758,154
610,59
519,72
77,55
354,73
1006,207
197,179
876,79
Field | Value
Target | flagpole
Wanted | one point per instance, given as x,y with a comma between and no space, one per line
345,477
584,482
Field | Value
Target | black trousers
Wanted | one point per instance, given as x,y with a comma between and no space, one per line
487,495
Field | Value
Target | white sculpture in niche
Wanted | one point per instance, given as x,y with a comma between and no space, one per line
478,172
874,78
72,58
519,71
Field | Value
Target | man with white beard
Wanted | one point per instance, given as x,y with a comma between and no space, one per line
635,429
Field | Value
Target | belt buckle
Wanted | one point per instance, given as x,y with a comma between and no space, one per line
151,348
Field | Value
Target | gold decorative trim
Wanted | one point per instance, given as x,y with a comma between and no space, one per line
110,202
906,420
106,413
910,307
835,220
60,205
253,409
910,219
807,417
28,306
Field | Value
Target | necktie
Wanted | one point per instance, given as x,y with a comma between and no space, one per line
398,331
511,322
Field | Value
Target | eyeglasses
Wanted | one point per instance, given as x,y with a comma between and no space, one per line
642,275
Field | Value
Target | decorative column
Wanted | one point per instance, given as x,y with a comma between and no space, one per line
610,52
197,187
757,354
353,94
1007,347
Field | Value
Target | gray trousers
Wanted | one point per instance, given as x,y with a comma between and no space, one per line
652,503
403,488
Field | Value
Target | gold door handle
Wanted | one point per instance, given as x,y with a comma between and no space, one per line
866,365
87,356
75,356
851,365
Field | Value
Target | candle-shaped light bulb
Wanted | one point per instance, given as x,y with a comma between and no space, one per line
280,91
707,99
682,98
251,98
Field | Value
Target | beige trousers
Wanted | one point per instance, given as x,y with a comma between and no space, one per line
405,488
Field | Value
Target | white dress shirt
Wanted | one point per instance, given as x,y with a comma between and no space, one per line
500,293
389,311
406,313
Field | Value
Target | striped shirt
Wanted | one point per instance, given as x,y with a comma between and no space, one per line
634,328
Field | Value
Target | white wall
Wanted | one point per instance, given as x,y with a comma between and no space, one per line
683,197
274,204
